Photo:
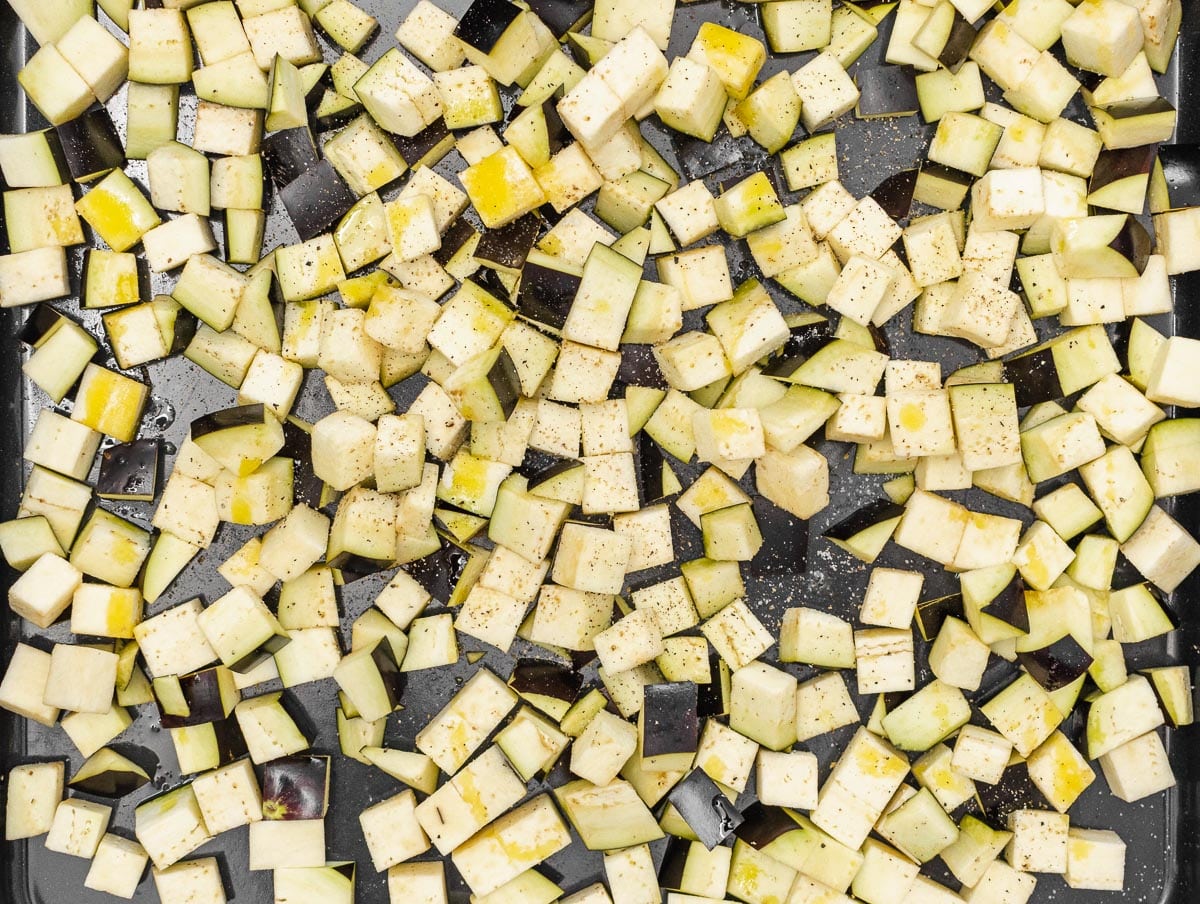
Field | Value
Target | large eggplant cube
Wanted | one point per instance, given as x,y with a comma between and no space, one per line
669,726
241,629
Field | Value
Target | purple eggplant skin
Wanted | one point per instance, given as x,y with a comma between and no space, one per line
763,823
674,862
546,295
932,614
508,246
1133,243
864,518
112,783
297,445
958,45
1034,377
296,787
425,148
457,234
562,16
1010,605
131,470
555,468
42,319
227,418
705,808
269,648
648,469
1014,791
895,193
202,691
1122,163
388,666
316,200
1057,665
670,718
484,22
289,154
711,698
546,679
91,145
505,382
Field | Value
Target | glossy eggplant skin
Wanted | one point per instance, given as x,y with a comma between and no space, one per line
541,471
763,824
296,787
648,466
121,776
1014,791
297,445
546,679
41,320
1034,377
484,22
438,572
705,808
289,154
90,144
1009,605
457,234
562,16
1057,665
674,862
958,45
670,718
712,699
227,418
508,246
316,200
1122,163
505,382
131,470
387,663
887,91
895,193
417,150
932,614
546,294
864,518
202,691
1134,243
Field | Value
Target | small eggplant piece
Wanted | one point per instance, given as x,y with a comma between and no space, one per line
562,16
205,696
669,725
649,462
763,824
639,367
785,541
1175,180
353,568
91,145
317,199
931,614
674,863
213,743
42,321
895,193
489,280
435,573
705,808
713,697
484,22
864,533
887,91
507,248
289,154
958,43
107,773
1057,665
557,134
942,186
296,787
427,147
546,294
1136,122
456,236
131,471
1034,377
1121,178
1009,605
297,445
548,686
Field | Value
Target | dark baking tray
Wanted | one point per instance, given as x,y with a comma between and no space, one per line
1162,832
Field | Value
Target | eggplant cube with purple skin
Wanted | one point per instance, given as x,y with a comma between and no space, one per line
372,680
296,787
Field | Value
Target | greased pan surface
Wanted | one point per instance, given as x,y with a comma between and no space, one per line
1163,833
